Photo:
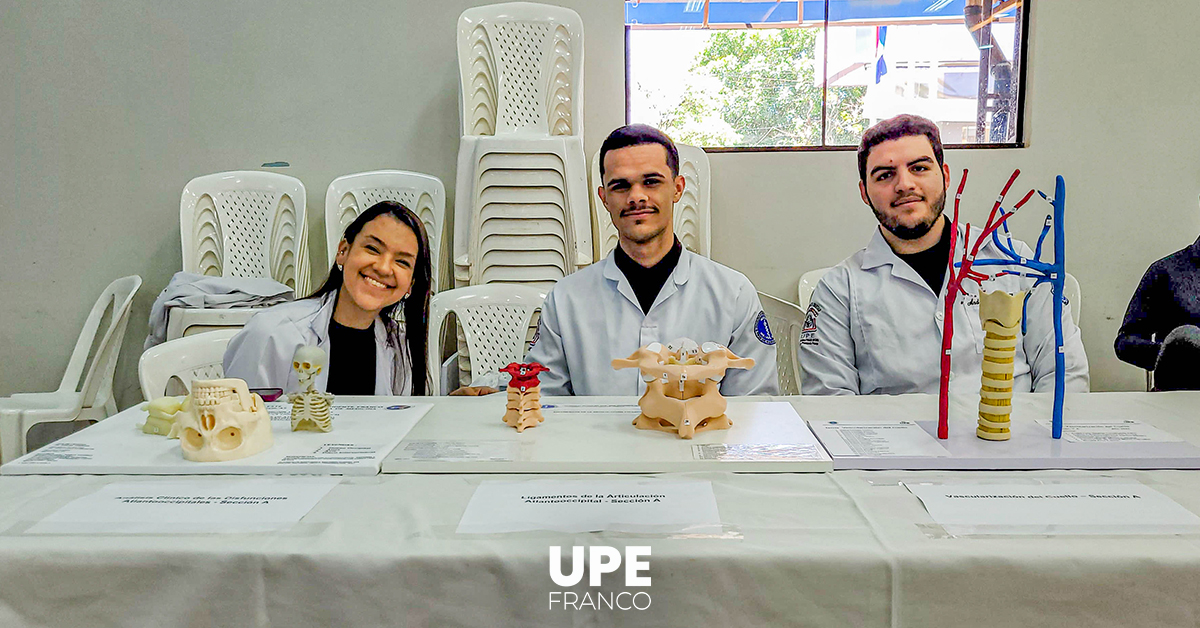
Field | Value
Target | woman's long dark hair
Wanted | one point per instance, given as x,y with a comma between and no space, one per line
416,305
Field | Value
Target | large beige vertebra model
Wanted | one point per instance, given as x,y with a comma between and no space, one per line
312,410
1000,313
683,385
224,422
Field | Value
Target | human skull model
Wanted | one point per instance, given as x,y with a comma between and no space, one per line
225,422
308,361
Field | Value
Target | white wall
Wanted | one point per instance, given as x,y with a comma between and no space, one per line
108,108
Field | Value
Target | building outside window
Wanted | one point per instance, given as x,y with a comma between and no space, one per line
727,74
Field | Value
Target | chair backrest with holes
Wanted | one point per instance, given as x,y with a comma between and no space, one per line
786,320
521,69
243,224
692,214
496,319
187,359
350,194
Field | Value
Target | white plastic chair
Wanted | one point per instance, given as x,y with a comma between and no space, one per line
495,319
93,399
521,70
808,284
1072,292
786,320
240,224
350,194
693,212
183,360
526,196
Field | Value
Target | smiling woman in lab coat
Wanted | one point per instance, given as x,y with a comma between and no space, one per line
382,264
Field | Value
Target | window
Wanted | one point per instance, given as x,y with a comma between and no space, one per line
783,74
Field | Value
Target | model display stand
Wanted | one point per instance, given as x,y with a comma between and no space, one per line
524,407
311,408
225,421
1043,272
683,385
162,414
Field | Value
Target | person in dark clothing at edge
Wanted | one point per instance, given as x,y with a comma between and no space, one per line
1161,330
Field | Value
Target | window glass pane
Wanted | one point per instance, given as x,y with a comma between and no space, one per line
729,87
730,73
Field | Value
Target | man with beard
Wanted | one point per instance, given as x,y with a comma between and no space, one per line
649,289
875,322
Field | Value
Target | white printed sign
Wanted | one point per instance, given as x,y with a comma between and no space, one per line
1119,431
1078,508
642,505
877,439
210,505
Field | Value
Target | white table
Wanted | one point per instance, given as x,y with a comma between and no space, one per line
1031,447
846,548
596,435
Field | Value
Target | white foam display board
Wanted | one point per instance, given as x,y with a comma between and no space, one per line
1101,431
596,435
365,430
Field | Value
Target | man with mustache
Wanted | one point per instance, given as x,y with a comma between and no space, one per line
875,322
649,289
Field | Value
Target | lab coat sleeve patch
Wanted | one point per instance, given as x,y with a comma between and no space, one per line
763,330
808,334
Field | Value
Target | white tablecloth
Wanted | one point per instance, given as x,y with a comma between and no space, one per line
849,548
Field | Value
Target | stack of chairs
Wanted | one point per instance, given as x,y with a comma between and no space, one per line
521,212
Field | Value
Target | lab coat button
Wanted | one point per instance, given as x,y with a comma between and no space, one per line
939,316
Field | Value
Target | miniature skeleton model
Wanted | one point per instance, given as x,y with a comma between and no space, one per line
163,412
225,422
683,385
311,408
1000,313
1042,272
524,408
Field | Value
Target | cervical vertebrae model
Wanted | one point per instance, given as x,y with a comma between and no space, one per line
1000,313
524,407
224,421
683,385
311,408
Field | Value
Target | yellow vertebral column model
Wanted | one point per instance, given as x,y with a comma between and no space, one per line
1000,313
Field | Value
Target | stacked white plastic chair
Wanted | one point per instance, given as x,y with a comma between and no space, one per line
241,224
786,320
521,200
692,212
91,399
184,359
495,319
349,195
521,213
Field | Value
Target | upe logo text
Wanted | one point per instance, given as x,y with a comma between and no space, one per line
600,560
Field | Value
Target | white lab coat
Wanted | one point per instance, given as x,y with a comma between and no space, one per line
875,327
262,353
592,316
